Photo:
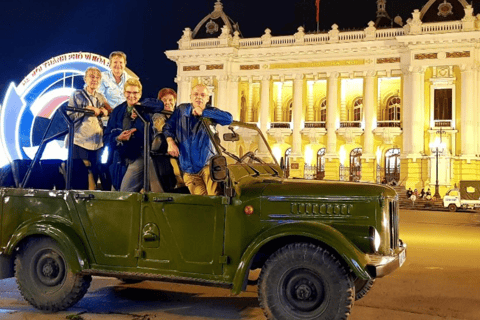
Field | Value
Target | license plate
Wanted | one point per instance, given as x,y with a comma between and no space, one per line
401,257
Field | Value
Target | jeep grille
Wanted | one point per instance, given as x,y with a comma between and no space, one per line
393,212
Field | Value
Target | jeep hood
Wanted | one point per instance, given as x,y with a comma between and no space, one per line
324,189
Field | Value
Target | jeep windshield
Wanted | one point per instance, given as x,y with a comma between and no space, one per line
243,143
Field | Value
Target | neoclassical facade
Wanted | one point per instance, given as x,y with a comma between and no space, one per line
398,103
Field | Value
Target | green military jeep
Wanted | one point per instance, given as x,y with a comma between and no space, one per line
319,244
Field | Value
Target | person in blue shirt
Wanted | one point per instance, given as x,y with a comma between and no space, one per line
113,80
194,145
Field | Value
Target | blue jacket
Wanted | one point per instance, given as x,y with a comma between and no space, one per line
193,141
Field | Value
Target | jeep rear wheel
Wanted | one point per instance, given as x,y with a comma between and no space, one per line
303,281
45,279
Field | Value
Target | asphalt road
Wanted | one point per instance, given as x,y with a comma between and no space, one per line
439,280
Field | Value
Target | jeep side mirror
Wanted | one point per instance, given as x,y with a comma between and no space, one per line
231,137
218,168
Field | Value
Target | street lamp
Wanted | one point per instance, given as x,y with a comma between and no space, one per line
437,147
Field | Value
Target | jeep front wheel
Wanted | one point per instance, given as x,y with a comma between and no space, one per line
362,287
45,279
452,207
303,281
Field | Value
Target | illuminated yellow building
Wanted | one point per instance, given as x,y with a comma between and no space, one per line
397,103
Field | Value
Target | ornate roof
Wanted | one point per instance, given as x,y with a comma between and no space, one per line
211,26
443,10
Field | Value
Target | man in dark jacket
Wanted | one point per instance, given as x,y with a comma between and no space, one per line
195,147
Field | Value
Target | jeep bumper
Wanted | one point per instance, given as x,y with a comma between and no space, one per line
380,265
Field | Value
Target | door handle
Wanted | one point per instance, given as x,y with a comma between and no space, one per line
168,199
149,236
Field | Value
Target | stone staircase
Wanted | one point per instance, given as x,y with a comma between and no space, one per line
420,204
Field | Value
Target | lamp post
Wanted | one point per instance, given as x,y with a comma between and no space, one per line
438,146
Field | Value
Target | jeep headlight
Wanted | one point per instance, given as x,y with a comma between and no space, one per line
375,239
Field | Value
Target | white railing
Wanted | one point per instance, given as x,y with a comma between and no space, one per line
202,43
389,33
317,38
251,42
351,36
321,38
283,40
451,26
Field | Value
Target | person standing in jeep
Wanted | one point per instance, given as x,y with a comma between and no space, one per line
88,136
195,147
125,136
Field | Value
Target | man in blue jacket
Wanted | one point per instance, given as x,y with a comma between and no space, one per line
194,145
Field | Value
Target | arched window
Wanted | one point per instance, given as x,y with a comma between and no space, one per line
357,109
287,116
321,164
287,161
393,107
392,165
255,113
355,164
323,110
243,108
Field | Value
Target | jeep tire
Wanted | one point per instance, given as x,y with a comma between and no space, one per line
304,281
452,207
362,287
44,277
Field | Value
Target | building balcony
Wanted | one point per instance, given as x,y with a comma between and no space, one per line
280,131
350,130
443,123
350,124
389,124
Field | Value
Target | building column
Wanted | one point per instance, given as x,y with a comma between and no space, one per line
232,99
332,163
297,115
278,107
264,111
370,114
477,111
414,112
249,113
332,103
184,87
265,104
368,155
468,168
413,121
310,102
222,92
297,161
467,131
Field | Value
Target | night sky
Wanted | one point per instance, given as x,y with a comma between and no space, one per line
35,31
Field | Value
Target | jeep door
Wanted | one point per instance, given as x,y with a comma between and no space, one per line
111,223
183,233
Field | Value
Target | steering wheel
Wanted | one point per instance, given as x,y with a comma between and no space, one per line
252,157
249,154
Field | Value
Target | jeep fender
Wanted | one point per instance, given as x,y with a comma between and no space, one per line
65,236
355,259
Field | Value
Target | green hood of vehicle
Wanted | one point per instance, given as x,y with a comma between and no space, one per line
324,189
